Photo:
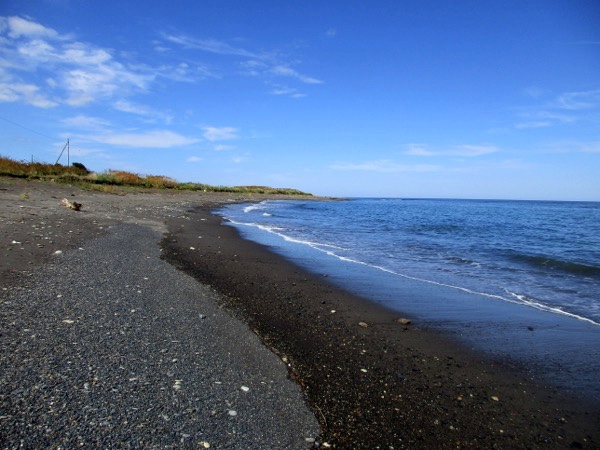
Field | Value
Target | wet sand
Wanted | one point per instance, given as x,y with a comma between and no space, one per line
370,381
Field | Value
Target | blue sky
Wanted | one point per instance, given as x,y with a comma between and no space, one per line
465,99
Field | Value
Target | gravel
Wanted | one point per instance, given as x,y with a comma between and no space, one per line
109,346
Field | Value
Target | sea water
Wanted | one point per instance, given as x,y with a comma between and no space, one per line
519,279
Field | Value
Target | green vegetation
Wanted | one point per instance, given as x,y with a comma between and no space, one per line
79,175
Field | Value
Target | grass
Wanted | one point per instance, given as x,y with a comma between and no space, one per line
106,181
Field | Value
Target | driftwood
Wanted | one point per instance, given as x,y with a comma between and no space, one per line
72,205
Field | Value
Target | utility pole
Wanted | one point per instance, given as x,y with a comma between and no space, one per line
61,153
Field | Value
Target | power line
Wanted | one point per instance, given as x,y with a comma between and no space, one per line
26,128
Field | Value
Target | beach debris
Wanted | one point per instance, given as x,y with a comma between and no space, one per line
58,252
333,311
245,388
205,444
69,321
15,242
177,385
363,324
496,399
232,413
363,370
403,321
72,204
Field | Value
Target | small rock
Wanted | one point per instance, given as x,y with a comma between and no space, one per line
69,321
205,444
232,413
404,321
363,324
363,370
245,388
496,399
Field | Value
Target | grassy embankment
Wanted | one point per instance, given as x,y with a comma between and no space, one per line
79,175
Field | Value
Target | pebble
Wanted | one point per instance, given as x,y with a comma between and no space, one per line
363,324
232,413
404,321
245,388
496,399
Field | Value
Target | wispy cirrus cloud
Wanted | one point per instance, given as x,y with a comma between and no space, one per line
147,139
562,109
82,121
268,66
385,166
464,150
579,100
285,71
209,45
141,110
220,133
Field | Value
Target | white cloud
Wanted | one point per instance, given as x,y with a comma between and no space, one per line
418,150
141,110
386,166
219,133
62,68
194,159
591,147
579,100
150,139
472,150
19,27
222,148
464,150
86,122
208,45
290,92
27,93
260,64
563,109
285,71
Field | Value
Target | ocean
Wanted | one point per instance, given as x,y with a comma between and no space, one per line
516,279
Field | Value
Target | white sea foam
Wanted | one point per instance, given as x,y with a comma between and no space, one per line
255,206
518,299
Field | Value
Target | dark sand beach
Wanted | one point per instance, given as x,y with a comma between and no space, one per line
370,381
